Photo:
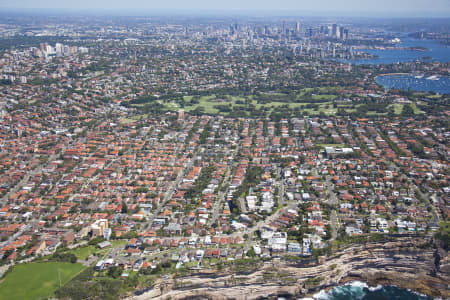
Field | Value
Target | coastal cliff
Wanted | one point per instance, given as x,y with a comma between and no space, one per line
410,262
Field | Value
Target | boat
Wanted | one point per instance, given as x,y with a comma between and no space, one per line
434,77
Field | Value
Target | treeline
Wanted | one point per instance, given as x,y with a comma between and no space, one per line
143,99
205,133
64,257
5,82
192,131
201,183
83,286
251,179
443,235
394,146
31,41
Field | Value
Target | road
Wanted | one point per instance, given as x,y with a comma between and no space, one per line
88,181
169,193
281,191
221,196
332,199
250,231
17,234
38,168
334,224
242,205
35,171
425,196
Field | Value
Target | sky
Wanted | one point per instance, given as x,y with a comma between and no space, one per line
403,8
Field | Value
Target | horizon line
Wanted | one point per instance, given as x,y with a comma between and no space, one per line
134,12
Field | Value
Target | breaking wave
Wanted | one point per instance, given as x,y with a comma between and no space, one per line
357,290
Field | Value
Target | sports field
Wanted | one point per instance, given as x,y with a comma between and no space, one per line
37,280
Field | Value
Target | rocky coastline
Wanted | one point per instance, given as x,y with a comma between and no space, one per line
414,263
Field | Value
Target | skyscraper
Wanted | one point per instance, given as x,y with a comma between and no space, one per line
334,31
181,115
346,34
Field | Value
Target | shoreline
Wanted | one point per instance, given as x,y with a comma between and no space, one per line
393,74
366,285
403,263
274,291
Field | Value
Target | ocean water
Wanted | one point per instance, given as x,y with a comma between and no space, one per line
435,50
440,84
357,290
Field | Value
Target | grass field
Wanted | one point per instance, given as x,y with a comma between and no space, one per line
208,103
399,107
117,243
37,280
127,120
305,96
84,252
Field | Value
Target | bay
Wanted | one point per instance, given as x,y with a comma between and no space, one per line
434,49
437,84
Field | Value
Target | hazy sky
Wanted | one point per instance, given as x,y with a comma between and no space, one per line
439,8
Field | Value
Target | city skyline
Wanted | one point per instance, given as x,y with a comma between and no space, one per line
208,152
382,8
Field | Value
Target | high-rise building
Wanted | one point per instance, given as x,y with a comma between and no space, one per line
107,233
334,31
98,227
181,115
37,52
43,47
341,33
346,34
338,32
297,27
49,50
58,48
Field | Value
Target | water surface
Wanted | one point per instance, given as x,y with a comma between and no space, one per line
437,84
361,291
435,50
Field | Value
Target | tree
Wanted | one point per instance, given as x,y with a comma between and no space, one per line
407,111
7,253
251,252
124,208
114,272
